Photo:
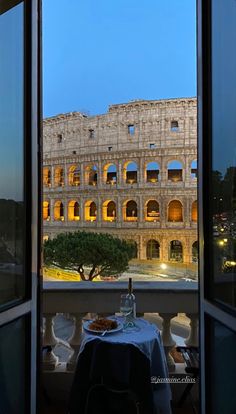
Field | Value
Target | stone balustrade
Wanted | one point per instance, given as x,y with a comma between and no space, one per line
75,300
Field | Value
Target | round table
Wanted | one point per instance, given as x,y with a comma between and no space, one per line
148,340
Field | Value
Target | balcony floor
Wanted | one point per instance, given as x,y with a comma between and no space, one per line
58,409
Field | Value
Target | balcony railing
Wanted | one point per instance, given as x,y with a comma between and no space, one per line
77,299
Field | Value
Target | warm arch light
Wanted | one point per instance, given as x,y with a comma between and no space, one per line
194,211
109,210
73,211
74,175
58,211
46,177
130,211
152,211
90,211
59,177
91,175
46,210
175,211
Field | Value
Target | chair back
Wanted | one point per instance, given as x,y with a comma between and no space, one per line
104,400
111,374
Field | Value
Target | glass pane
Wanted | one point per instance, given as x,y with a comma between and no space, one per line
223,196
12,368
11,155
223,368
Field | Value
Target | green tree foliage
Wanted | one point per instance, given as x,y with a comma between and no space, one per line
92,254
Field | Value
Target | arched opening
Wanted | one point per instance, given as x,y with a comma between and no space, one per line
175,171
152,211
47,177
91,175
130,211
46,210
58,211
195,252
153,249
194,169
131,172
90,211
74,175
152,172
73,211
110,174
176,251
194,211
59,177
109,211
134,243
175,211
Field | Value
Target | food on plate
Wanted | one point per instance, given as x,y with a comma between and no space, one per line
103,324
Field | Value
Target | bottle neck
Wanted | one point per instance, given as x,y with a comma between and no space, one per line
130,287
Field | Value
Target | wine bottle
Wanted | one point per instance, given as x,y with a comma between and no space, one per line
132,297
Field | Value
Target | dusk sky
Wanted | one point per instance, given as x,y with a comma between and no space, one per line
11,104
97,53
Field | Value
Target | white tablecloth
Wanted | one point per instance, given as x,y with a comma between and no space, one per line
149,341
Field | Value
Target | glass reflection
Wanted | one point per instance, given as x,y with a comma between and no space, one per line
11,155
224,150
14,375
223,363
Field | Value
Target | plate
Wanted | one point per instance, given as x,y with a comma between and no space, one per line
87,323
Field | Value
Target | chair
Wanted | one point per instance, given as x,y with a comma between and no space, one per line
113,378
105,400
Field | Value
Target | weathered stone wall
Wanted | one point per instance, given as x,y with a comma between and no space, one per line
140,132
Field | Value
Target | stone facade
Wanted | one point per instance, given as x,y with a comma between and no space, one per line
130,172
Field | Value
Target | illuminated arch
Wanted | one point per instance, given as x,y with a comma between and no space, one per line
175,171
152,211
194,211
175,211
73,211
74,175
46,177
59,211
176,251
130,172
91,175
152,172
109,210
46,210
153,249
130,211
90,211
110,174
59,177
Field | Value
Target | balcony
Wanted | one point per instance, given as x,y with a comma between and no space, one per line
66,303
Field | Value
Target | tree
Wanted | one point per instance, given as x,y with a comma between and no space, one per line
103,254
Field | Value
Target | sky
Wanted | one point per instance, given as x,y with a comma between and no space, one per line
98,53
11,104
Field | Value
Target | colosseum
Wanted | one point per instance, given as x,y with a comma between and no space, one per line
131,172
